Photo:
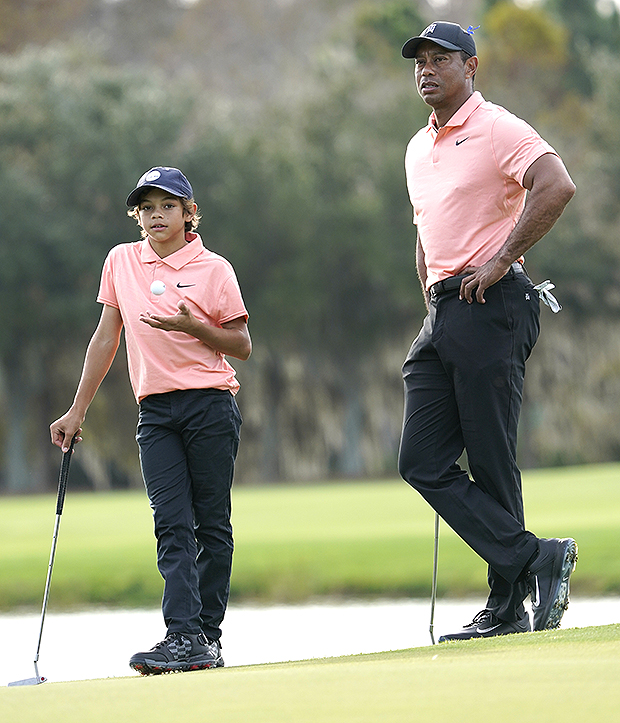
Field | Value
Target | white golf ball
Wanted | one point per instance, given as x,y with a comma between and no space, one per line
158,288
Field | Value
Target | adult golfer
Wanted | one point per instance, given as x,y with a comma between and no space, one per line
484,187
182,311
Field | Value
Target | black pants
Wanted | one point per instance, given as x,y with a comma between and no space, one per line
463,390
188,443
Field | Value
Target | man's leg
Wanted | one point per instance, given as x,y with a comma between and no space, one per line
431,444
489,388
469,340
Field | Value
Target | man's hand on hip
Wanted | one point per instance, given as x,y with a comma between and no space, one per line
480,278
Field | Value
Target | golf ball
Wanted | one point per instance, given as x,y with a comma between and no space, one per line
158,288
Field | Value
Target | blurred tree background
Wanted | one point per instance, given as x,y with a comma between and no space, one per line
291,120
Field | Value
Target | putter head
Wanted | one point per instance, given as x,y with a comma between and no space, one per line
37,680
29,681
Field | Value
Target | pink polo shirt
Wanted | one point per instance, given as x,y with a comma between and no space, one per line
465,183
163,361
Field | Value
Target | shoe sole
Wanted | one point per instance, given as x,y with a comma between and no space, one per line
558,603
476,635
151,667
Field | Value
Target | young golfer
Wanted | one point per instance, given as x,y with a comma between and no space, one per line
182,311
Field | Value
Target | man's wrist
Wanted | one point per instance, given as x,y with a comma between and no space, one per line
504,261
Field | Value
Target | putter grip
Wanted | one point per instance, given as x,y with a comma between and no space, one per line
62,479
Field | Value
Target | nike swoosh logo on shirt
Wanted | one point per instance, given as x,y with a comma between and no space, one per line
458,143
184,286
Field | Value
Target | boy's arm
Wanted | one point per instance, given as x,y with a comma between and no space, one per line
232,338
99,357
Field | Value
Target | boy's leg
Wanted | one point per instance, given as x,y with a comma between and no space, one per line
211,438
168,484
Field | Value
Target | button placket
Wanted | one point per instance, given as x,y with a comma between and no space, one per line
157,276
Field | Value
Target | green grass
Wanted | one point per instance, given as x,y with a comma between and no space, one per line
569,676
298,542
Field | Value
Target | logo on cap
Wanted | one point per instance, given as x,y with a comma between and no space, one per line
429,30
152,176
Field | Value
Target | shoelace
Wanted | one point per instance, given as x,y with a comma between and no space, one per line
161,644
479,618
164,643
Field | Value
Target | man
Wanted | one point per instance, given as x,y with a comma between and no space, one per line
468,174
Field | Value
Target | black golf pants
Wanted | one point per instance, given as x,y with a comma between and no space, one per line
188,443
463,391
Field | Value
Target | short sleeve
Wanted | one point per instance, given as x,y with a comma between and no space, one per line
230,302
516,146
107,291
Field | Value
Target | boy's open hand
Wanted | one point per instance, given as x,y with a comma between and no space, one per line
183,320
231,338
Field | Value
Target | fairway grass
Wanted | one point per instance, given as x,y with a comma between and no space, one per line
565,675
297,542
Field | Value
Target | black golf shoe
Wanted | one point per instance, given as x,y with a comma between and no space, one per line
486,625
177,653
548,580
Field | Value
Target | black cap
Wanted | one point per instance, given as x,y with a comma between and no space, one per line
168,179
449,35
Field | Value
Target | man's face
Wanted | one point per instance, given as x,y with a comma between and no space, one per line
441,75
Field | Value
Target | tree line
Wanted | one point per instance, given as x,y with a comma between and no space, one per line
305,195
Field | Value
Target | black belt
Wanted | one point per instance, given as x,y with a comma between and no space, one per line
453,283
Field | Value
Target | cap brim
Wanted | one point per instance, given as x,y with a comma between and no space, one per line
134,197
410,47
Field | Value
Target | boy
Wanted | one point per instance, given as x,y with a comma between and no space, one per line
182,311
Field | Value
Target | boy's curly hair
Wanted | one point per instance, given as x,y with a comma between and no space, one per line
188,205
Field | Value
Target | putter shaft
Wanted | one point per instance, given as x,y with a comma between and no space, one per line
48,582
60,500
434,586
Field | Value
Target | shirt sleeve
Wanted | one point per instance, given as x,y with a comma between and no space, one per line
516,146
107,292
230,303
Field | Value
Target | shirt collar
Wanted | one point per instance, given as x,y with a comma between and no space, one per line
178,259
461,115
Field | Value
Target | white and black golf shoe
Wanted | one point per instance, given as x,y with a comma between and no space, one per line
486,625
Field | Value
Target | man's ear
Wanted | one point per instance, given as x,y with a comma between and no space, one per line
471,66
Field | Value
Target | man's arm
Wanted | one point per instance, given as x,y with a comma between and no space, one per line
232,338
99,357
550,189
422,271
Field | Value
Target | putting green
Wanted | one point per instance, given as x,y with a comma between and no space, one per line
566,676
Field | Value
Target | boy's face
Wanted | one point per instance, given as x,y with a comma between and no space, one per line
163,217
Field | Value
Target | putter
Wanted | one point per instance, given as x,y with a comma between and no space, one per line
434,587
60,501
